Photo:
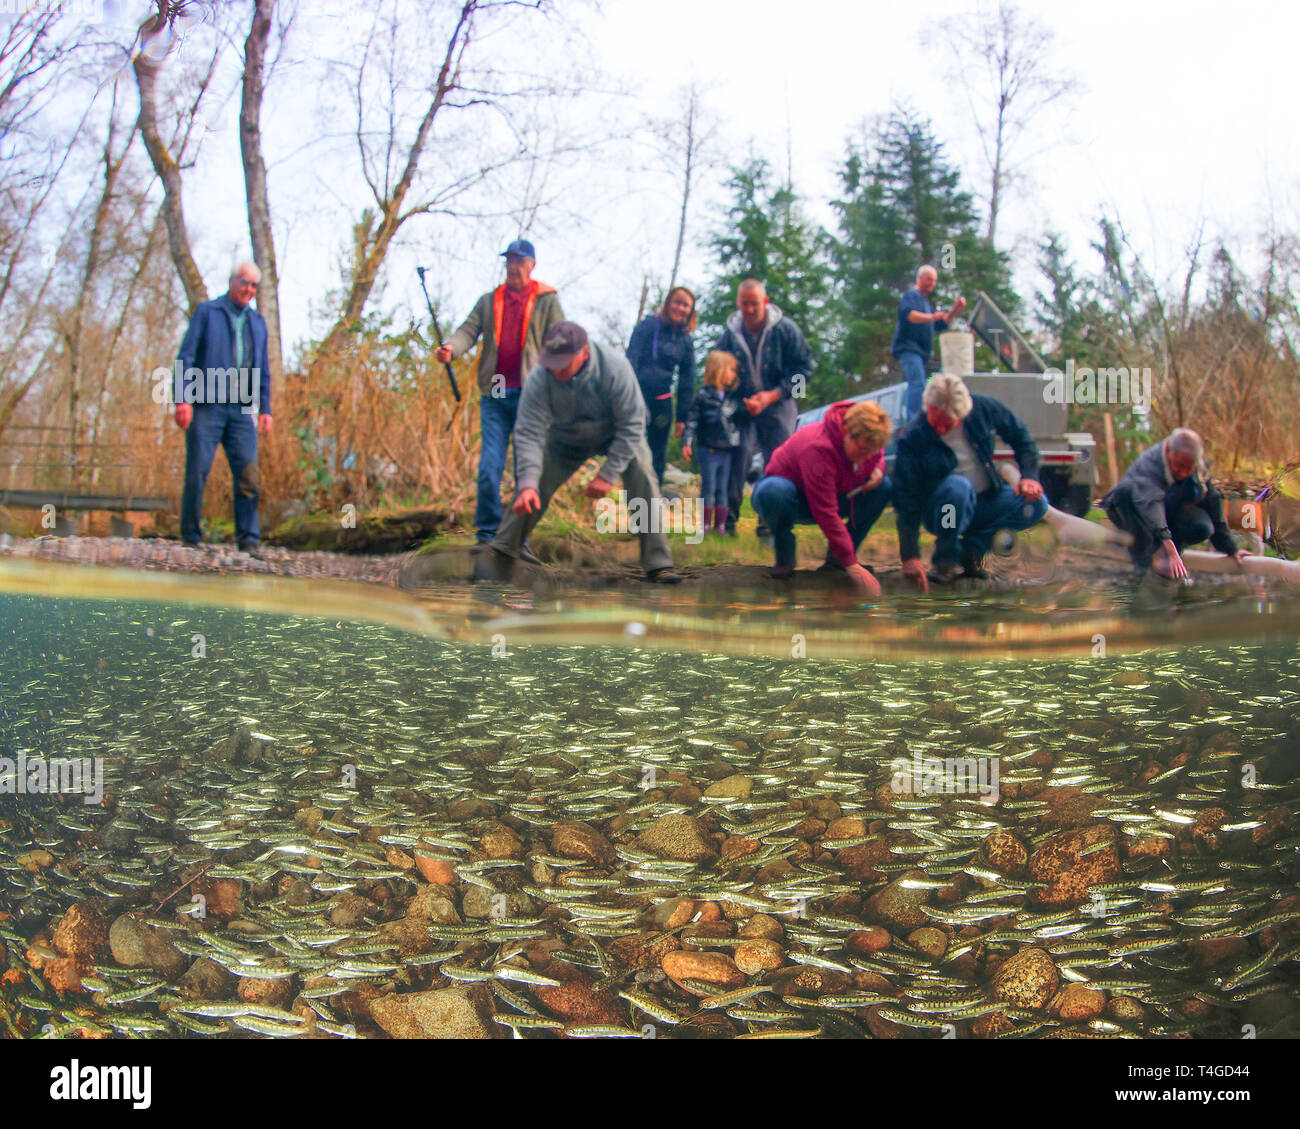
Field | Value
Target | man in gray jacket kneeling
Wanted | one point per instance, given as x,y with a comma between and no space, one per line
1164,505
581,400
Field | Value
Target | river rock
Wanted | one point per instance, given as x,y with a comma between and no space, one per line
500,842
758,955
409,934
763,926
1028,979
846,827
458,1012
932,942
350,911
438,871
578,841
434,903
63,974
224,898
1005,852
860,862
577,1000
1126,1009
272,993
136,944
680,837
82,932
643,950
713,968
1067,872
1078,1003
672,914
824,808
805,980
872,940
730,788
206,980
900,907
478,901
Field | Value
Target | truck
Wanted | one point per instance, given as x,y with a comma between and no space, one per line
1067,459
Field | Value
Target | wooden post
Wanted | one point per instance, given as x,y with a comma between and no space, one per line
1111,461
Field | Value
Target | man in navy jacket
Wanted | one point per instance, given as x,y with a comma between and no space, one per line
774,363
222,359
945,479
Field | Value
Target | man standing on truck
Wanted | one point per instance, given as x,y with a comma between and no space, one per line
1163,504
945,479
914,333
773,362
512,320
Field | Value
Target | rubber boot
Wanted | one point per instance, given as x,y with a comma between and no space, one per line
720,521
708,519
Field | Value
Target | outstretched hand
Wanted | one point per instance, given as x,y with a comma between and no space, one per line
527,502
1174,566
864,580
914,573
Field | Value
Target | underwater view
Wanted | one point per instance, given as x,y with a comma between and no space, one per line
417,814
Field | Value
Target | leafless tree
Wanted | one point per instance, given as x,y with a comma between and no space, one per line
1001,59
157,37
259,205
689,145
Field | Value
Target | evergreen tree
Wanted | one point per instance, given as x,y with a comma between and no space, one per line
903,206
1066,311
766,236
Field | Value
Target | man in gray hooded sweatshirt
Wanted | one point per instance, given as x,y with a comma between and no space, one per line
1164,506
773,363
582,400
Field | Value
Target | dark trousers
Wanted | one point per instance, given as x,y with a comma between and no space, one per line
768,430
782,505
964,523
234,430
1190,516
659,423
559,464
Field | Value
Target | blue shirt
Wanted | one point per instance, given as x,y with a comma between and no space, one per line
910,337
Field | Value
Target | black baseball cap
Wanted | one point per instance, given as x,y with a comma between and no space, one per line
563,341
522,248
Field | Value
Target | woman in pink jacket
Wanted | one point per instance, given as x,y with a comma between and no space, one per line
824,474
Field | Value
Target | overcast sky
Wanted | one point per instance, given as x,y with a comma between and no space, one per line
1180,117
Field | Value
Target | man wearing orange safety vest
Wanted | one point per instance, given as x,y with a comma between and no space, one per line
512,320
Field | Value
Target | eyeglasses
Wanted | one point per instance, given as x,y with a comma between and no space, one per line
246,282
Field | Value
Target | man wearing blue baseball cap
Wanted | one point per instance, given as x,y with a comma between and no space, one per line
512,320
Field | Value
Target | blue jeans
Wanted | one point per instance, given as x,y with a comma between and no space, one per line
235,430
914,373
715,475
963,524
496,425
782,505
